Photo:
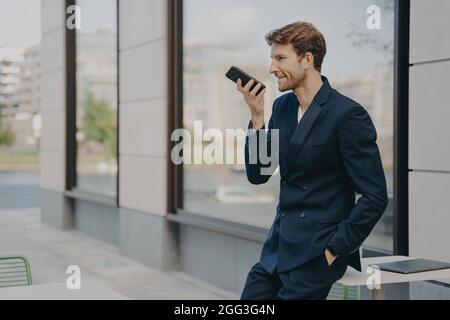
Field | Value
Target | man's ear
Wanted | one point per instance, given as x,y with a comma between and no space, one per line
309,60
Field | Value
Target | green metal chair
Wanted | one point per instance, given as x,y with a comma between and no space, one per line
341,292
15,271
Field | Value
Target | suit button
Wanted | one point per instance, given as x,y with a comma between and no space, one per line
283,214
305,187
302,215
283,182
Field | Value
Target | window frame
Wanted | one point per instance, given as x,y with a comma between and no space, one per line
400,152
71,189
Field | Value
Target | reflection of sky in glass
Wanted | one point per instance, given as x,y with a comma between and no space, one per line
20,23
97,15
244,25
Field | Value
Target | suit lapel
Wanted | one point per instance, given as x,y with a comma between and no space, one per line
291,117
288,128
301,131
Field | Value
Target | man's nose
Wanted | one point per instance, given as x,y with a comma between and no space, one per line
273,68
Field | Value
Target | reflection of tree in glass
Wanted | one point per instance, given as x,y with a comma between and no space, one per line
7,136
99,123
368,38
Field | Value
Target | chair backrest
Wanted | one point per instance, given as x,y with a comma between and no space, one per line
14,271
341,292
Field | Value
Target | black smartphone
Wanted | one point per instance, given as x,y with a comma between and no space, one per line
235,73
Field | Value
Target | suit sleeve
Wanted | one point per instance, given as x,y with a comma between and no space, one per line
253,143
357,144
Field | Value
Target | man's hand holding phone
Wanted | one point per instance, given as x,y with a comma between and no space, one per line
255,102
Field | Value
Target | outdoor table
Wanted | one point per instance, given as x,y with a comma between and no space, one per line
355,278
90,290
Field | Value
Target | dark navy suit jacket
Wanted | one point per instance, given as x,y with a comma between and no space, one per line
324,159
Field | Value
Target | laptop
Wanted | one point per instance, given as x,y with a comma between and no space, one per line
412,266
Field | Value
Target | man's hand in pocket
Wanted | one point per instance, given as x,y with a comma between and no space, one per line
330,257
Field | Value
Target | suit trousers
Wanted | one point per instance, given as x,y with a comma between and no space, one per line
310,281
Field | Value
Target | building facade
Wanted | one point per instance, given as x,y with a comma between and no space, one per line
114,90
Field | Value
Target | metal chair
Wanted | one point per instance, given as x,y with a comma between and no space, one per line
341,292
15,271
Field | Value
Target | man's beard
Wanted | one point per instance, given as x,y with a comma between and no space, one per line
292,84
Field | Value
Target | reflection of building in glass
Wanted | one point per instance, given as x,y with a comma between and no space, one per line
9,80
96,68
20,94
28,95
97,110
28,91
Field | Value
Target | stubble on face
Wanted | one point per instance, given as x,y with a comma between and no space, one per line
292,80
290,73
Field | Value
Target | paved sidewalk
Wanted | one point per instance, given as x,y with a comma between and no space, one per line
51,251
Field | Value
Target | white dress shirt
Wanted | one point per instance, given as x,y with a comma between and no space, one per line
300,115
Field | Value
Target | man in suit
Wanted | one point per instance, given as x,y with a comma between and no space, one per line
327,153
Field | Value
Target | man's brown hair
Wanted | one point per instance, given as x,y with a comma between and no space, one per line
304,36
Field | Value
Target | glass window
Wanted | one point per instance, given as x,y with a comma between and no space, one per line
96,81
218,34
20,103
